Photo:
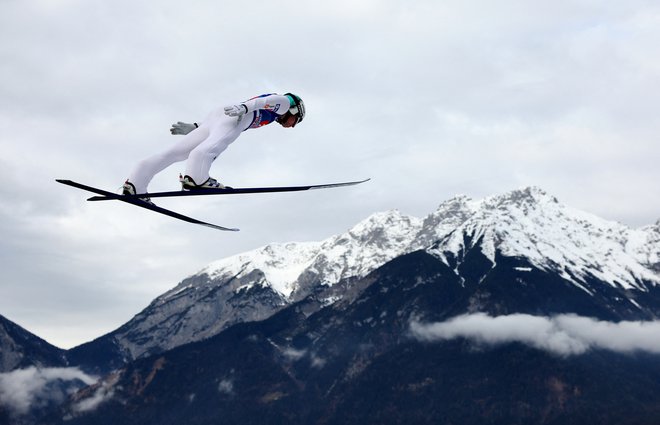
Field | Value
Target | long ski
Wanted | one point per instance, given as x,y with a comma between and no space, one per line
227,191
139,203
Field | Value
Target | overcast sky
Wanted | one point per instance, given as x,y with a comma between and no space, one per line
430,99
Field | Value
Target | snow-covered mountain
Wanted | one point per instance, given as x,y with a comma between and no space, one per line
530,223
585,250
293,270
523,223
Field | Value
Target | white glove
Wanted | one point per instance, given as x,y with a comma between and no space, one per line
182,128
236,110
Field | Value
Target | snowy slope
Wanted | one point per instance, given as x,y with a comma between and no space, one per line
281,265
286,267
532,224
522,223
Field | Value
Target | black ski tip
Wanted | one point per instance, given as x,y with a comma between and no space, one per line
226,229
105,198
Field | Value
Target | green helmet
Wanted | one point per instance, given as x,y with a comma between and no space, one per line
297,107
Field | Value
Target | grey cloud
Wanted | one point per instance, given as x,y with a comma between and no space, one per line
103,393
25,389
563,334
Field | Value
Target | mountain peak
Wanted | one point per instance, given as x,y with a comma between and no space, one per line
384,225
387,218
533,224
19,348
522,198
280,263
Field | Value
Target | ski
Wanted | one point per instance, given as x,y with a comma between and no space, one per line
134,200
227,191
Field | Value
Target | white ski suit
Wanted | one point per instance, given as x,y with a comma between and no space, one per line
203,145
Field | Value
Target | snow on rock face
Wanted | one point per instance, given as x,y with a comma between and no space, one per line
647,248
368,245
372,242
532,224
280,263
449,216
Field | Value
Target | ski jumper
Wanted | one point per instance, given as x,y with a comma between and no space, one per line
204,144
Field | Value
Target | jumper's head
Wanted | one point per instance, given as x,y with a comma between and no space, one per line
296,111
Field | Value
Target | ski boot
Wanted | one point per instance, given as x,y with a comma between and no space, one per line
129,189
187,183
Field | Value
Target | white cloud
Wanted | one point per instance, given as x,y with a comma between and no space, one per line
25,389
563,334
104,392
